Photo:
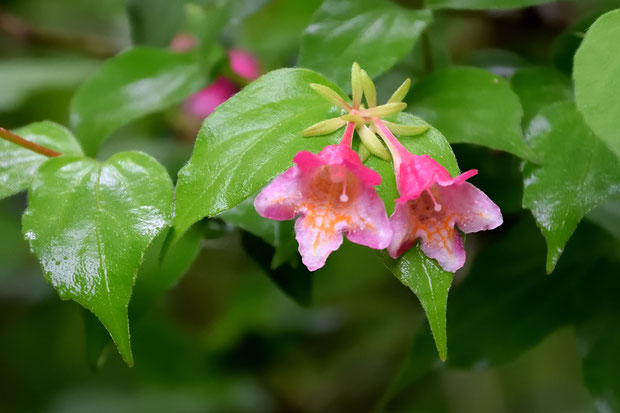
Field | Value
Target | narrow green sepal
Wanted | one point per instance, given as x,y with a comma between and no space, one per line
369,89
401,92
405,130
364,153
372,143
324,127
356,84
330,95
383,111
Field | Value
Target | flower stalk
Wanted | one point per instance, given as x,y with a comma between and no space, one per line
34,147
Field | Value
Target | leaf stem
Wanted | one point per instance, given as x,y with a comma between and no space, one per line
34,147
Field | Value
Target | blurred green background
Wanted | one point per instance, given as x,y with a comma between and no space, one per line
227,339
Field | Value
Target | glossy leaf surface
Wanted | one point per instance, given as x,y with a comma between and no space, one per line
482,4
431,284
374,33
538,87
18,165
133,84
248,140
89,224
470,105
577,173
597,73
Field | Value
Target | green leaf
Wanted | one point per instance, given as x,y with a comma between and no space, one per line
131,85
482,4
375,33
431,284
18,165
248,140
155,22
538,87
471,105
19,78
89,224
431,142
577,173
596,73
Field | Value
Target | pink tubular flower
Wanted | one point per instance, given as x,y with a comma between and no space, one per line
432,203
334,193
244,64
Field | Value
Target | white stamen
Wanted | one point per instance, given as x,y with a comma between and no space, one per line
437,205
343,196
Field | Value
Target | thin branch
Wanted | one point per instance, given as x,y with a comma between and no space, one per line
34,147
25,31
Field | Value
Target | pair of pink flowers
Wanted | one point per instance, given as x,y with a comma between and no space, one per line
334,193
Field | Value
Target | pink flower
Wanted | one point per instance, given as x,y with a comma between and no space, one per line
244,64
334,194
201,104
432,203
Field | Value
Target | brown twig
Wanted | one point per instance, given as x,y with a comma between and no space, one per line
18,140
24,31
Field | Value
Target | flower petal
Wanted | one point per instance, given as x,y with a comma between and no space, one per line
370,225
204,102
473,210
315,241
279,199
438,239
244,64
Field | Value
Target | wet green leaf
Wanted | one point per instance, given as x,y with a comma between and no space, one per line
597,78
577,173
375,33
471,105
18,165
131,85
248,140
431,284
19,78
538,87
89,224
482,4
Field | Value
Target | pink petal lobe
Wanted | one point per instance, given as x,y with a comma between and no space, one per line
474,211
417,173
338,155
370,225
279,199
204,102
244,64
315,241
434,227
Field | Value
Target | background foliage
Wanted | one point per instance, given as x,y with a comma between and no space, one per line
223,316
